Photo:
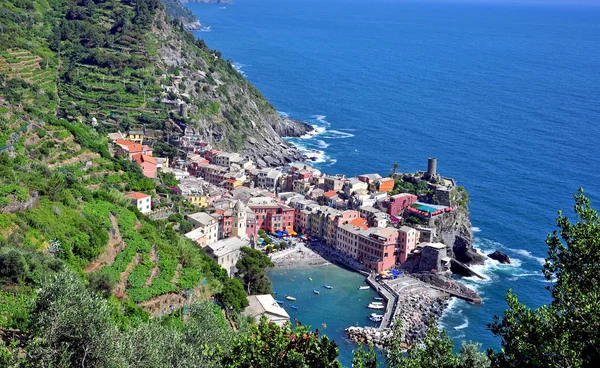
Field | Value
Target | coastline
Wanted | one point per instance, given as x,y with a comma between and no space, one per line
300,257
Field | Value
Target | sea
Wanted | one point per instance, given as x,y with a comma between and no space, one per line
506,96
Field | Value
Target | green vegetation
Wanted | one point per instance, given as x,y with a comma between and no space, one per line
251,270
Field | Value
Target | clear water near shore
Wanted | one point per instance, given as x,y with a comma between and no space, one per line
505,96
338,308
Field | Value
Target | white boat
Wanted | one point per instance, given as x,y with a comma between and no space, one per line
376,317
290,298
375,306
364,287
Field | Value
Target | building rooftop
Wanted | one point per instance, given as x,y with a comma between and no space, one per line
137,195
195,234
261,304
225,246
202,218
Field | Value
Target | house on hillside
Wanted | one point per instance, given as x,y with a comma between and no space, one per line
265,305
142,201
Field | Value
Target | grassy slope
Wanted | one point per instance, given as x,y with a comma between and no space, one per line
63,166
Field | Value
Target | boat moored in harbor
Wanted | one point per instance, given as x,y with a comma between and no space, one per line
290,297
327,286
316,291
366,287
376,306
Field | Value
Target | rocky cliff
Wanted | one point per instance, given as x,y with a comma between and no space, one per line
220,104
175,10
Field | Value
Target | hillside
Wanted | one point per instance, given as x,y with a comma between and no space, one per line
71,71
175,10
123,65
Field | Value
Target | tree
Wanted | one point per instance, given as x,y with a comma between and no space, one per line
251,269
394,168
233,295
268,345
71,327
565,333
364,358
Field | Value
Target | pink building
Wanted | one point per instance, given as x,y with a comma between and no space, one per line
377,247
270,215
148,164
399,202
407,242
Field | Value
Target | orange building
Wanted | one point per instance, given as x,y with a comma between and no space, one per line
384,184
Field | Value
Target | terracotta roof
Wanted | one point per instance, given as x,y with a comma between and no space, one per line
330,194
140,159
137,195
360,222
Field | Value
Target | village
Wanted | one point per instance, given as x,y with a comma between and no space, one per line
356,222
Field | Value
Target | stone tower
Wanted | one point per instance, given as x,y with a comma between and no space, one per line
431,167
239,220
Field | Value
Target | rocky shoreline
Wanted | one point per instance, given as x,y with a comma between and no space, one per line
415,312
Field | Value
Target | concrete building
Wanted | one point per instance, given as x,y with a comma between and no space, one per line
335,183
226,159
399,203
226,252
207,223
142,201
346,240
197,235
271,215
265,305
377,247
136,136
407,242
268,179
353,185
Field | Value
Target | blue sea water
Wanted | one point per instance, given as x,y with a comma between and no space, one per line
507,97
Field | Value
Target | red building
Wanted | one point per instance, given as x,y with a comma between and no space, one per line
400,202
271,216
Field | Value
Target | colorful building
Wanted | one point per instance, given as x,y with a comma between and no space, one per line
271,216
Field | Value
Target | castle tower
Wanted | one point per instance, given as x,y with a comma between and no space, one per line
431,167
239,220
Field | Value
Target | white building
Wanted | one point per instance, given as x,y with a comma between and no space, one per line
207,223
265,305
141,201
227,252
268,178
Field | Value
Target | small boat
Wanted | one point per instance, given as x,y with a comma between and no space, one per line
377,298
316,291
376,317
375,306
328,286
310,278
294,307
290,298
279,301
364,287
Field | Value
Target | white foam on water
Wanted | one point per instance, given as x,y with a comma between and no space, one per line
322,144
475,229
336,134
283,114
528,254
465,324
321,119
239,66
315,132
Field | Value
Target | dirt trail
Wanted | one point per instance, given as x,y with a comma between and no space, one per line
113,248
155,270
122,284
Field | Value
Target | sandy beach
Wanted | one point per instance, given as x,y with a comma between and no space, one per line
299,256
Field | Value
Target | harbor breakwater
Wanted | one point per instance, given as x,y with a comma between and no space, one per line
414,313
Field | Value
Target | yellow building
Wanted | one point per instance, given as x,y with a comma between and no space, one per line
136,136
232,183
198,200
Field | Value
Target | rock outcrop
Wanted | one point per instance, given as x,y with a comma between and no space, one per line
220,104
500,256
